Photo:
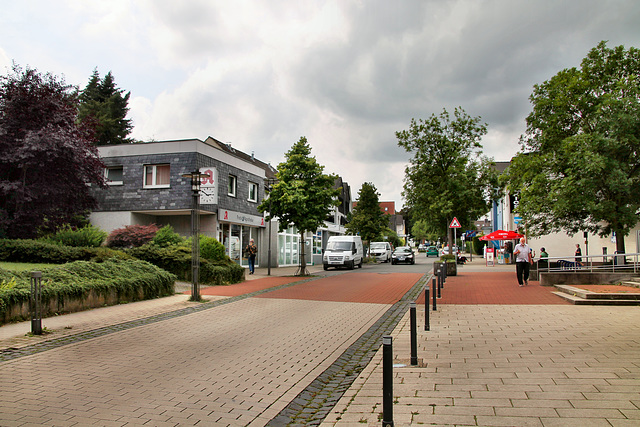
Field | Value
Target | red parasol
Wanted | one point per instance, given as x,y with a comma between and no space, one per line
502,235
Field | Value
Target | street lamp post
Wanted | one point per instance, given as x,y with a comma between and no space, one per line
269,182
195,177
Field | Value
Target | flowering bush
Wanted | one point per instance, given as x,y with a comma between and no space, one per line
132,236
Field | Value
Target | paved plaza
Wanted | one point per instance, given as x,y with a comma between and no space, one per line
495,355
500,355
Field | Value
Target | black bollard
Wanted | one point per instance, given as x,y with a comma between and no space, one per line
434,286
414,334
387,381
440,279
426,309
34,302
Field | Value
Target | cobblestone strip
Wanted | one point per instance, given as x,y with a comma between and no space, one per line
12,353
315,402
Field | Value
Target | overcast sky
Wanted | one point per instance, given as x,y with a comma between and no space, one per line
345,74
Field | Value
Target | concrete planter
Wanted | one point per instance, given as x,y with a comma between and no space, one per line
452,267
54,305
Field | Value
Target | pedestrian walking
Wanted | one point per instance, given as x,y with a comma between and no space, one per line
578,255
522,252
250,252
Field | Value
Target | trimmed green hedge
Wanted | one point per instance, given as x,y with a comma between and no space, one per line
131,280
177,260
38,251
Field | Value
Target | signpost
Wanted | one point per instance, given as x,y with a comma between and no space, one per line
455,224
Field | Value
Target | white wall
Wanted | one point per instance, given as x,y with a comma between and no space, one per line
563,245
109,221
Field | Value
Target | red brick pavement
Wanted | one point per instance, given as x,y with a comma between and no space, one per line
247,286
493,288
376,288
465,288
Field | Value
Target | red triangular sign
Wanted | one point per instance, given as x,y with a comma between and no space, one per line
455,223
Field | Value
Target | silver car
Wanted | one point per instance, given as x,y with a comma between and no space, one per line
381,251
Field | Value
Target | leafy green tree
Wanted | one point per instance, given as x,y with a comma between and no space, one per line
303,195
392,237
105,106
447,176
579,168
367,219
421,230
47,159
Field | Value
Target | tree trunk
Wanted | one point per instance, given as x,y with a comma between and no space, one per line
620,248
302,268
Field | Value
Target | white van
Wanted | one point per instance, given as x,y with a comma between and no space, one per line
381,251
343,251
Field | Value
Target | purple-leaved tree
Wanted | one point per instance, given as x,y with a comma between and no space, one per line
47,159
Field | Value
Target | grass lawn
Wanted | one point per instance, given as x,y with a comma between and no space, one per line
23,266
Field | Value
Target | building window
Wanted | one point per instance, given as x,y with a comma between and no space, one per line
156,176
253,192
113,175
233,185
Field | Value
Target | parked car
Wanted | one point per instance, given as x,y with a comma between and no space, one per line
445,250
432,251
381,251
403,254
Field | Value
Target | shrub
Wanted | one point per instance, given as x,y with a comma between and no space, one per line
449,257
130,279
211,249
166,237
177,260
132,236
38,251
87,236
221,272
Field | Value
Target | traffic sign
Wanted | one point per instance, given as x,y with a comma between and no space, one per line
455,223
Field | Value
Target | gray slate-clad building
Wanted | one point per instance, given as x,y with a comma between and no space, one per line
146,186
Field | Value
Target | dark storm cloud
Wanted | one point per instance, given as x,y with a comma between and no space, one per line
412,59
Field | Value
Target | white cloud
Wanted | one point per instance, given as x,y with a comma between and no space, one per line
347,74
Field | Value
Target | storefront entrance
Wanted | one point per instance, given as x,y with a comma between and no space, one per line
234,237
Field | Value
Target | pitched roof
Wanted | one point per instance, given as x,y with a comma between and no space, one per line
270,171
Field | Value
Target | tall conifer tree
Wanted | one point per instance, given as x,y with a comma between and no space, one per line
105,107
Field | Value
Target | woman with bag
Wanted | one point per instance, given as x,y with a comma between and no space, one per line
250,252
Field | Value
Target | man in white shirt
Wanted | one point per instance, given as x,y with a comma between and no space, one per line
522,252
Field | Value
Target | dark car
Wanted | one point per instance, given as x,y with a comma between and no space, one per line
403,254
432,250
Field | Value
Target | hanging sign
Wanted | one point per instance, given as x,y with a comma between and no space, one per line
208,186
